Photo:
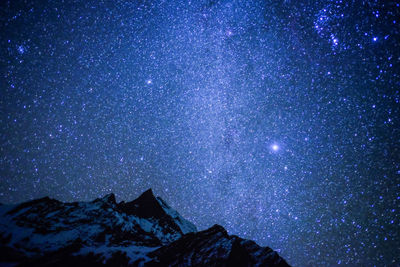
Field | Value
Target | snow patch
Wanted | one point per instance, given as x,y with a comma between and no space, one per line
185,225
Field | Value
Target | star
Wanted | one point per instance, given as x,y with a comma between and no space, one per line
21,49
275,147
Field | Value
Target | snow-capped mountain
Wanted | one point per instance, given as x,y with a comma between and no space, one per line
145,231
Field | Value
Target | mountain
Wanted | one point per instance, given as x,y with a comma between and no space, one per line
143,232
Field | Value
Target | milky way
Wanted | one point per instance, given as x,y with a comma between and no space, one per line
278,120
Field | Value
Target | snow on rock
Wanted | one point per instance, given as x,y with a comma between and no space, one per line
145,231
185,225
47,225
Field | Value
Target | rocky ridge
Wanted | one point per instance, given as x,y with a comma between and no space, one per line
143,232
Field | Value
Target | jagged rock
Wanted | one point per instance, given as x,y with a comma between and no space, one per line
145,231
214,247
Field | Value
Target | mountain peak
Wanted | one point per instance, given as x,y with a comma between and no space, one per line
150,207
145,206
216,228
109,198
147,195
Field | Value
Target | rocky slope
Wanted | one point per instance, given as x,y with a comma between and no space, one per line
143,232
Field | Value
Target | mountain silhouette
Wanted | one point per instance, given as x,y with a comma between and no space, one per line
142,232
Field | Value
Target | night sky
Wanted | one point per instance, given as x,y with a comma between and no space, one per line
279,120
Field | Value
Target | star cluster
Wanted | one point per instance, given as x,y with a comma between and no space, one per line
278,120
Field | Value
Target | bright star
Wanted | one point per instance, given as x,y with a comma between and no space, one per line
275,147
21,49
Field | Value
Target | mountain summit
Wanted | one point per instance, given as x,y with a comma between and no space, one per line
142,232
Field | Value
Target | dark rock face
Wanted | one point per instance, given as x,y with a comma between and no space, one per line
147,206
214,247
145,231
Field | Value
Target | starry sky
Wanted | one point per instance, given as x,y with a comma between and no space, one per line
278,119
